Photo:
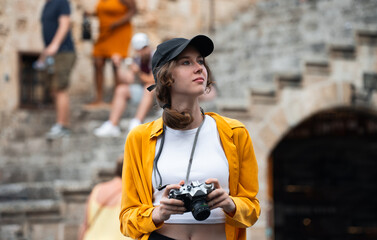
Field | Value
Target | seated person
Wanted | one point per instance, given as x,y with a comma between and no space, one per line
136,70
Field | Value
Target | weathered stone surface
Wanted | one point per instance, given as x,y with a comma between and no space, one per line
254,42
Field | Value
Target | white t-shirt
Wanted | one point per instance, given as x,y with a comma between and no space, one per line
209,161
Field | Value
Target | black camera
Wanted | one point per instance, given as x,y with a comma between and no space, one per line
194,198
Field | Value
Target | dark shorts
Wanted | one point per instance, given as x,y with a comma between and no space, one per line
157,236
62,70
58,78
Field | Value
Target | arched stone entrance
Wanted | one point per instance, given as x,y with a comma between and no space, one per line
324,174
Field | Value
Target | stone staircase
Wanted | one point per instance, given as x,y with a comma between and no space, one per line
341,79
278,61
279,45
276,37
45,184
282,61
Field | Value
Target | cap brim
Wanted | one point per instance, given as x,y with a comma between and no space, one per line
202,43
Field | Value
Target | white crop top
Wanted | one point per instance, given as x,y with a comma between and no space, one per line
209,161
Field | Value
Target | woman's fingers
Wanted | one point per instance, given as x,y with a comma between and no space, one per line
172,186
216,197
170,206
171,202
214,181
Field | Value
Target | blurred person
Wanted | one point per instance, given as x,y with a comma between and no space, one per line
57,60
185,149
138,71
115,32
101,219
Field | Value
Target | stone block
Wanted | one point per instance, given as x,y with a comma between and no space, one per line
47,231
10,231
256,233
267,136
71,231
278,121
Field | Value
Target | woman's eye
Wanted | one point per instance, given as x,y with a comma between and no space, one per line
201,62
186,62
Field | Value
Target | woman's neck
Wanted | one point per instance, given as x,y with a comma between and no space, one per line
193,109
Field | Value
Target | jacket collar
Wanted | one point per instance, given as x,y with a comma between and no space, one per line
157,127
222,125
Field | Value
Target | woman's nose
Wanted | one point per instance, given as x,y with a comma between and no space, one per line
198,67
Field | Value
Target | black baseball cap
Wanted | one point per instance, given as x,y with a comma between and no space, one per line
170,49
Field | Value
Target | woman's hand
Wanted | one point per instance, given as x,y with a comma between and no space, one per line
168,206
114,25
220,198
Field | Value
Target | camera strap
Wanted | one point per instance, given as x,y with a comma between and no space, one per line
155,168
193,151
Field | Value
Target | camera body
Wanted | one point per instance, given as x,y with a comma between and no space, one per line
194,198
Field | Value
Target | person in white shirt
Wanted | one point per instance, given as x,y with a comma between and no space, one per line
185,149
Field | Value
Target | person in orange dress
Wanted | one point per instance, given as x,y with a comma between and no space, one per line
115,33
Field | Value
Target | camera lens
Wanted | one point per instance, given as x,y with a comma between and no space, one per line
200,210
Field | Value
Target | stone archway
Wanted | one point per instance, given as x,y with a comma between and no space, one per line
323,177
292,109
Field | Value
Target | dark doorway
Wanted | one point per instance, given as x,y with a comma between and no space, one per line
34,87
325,178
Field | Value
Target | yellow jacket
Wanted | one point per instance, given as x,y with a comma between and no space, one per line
137,191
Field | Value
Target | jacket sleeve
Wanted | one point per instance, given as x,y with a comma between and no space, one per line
136,208
247,205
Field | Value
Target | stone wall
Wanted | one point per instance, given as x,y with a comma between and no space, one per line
20,32
279,61
279,36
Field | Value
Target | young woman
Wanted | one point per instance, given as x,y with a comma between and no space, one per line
183,146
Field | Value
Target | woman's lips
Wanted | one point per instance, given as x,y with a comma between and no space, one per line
199,80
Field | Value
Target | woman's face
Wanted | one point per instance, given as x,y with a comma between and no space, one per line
189,74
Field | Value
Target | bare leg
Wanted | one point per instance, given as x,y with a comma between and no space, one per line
99,65
144,105
116,75
119,103
62,107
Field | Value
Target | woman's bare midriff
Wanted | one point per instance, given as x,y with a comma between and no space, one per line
194,231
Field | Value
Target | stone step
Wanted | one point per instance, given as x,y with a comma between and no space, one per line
36,215
43,194
27,191
367,50
78,157
263,96
318,68
292,80
365,37
232,107
263,52
14,210
345,52
315,72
